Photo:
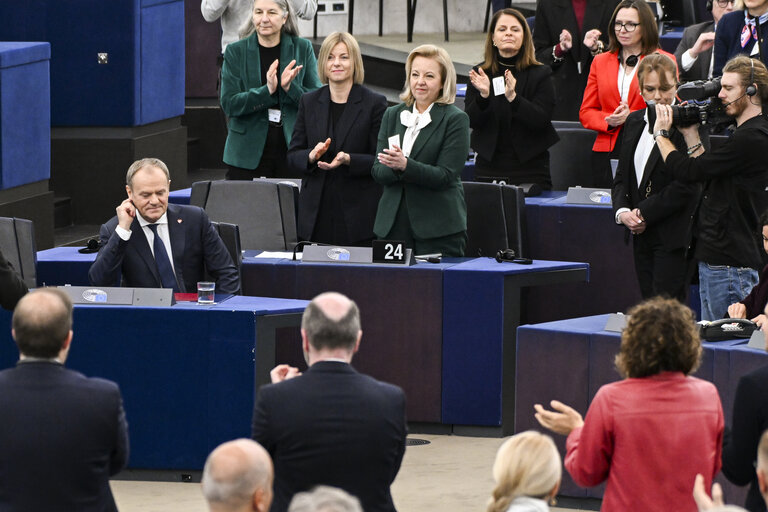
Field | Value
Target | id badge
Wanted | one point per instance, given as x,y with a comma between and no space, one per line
498,86
275,115
394,141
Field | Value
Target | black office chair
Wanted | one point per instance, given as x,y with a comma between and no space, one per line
513,200
264,212
570,159
230,235
198,196
17,241
495,219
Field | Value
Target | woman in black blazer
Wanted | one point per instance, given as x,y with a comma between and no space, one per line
333,147
649,201
510,106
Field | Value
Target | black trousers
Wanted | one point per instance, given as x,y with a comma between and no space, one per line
661,271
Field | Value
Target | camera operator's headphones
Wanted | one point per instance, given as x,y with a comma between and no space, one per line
751,89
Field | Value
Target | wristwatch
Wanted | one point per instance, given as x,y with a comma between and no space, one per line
660,133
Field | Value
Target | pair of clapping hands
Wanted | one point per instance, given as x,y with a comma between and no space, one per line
290,72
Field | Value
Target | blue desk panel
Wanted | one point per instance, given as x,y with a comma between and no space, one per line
482,310
186,372
570,360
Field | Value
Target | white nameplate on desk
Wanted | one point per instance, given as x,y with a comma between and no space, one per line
616,322
118,296
582,195
338,254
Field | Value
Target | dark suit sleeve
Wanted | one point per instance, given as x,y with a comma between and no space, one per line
619,192
217,259
361,163
106,270
119,456
403,431
12,287
260,431
542,36
477,107
721,49
536,112
450,163
297,158
686,43
740,443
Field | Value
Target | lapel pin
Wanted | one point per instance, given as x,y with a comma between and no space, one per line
179,221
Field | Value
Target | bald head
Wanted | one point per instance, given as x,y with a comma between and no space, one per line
42,323
238,476
332,321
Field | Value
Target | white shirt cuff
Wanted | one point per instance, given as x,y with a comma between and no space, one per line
123,233
687,61
619,212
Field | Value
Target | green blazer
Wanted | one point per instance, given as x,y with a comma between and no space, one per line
431,182
245,100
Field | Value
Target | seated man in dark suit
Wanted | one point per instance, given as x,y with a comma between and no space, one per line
238,476
62,435
694,53
156,245
331,425
12,286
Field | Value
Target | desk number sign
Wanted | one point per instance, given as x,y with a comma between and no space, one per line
388,251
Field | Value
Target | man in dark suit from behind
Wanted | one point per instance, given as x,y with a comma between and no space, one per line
151,244
62,435
331,425
694,53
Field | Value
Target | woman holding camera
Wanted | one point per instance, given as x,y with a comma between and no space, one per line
646,198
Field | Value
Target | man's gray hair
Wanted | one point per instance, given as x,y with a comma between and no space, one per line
231,475
326,333
145,162
325,499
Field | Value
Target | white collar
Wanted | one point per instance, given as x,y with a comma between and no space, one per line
144,222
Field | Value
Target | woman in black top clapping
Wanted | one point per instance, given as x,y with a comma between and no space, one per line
510,103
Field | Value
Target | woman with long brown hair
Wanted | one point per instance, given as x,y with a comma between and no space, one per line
510,105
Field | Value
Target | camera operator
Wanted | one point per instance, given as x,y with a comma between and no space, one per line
735,176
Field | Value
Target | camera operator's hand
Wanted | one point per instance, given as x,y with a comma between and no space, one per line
619,115
705,41
663,118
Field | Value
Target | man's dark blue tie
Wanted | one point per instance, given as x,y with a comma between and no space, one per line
164,267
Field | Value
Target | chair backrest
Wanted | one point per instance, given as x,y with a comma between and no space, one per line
230,235
495,218
513,199
264,212
570,159
17,241
198,196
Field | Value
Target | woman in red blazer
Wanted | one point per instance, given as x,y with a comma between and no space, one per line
612,91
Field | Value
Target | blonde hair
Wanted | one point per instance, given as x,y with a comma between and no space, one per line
527,464
353,49
447,73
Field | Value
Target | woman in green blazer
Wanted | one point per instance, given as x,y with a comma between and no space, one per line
262,79
422,146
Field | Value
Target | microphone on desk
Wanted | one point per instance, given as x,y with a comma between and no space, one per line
92,245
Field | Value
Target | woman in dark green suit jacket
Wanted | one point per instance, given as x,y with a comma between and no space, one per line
421,153
262,79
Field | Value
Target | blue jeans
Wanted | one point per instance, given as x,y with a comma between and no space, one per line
721,285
